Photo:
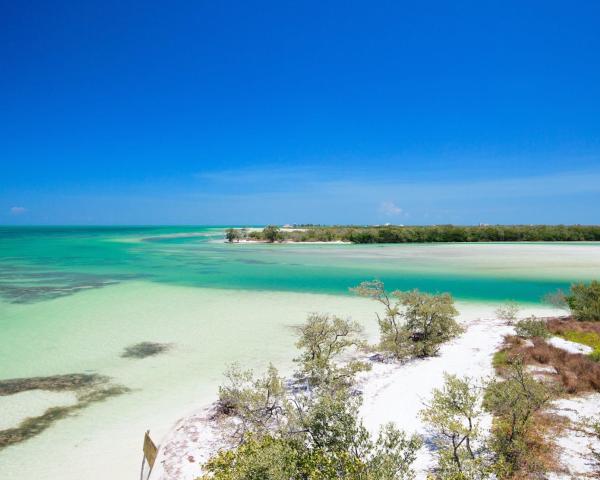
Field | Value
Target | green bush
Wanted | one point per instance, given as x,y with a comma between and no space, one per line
321,340
327,441
508,312
532,327
272,233
414,323
500,359
584,301
454,414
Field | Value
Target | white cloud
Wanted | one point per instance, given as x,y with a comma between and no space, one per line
17,210
390,208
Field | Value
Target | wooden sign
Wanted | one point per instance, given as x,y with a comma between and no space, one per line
150,450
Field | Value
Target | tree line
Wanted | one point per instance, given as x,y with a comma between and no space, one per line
422,234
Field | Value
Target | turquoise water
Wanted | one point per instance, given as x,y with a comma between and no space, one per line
72,299
43,263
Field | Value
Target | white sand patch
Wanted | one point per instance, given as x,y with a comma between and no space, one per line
33,403
571,347
188,445
574,445
396,394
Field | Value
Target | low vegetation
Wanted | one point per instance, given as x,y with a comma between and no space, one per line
454,414
311,429
586,333
576,373
522,430
308,427
516,446
532,327
518,440
321,340
414,324
426,234
508,312
584,301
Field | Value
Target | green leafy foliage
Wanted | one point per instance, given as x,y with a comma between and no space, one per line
532,327
454,413
321,340
438,233
271,233
310,434
258,404
414,323
500,359
514,401
233,234
328,442
584,301
508,312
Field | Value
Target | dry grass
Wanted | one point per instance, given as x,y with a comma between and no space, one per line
560,326
575,372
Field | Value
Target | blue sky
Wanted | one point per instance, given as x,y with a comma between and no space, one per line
204,112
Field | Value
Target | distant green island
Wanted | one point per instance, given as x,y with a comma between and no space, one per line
416,234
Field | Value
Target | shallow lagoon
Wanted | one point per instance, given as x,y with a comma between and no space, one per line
72,299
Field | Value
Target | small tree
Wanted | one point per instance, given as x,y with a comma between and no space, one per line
454,414
321,340
584,301
258,404
430,320
393,336
271,233
557,299
508,312
514,402
232,234
414,323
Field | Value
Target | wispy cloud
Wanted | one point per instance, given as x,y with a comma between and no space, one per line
390,209
17,210
380,187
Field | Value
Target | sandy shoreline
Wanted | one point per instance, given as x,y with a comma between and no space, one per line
391,393
316,242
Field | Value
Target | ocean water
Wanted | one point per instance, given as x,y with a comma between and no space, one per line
72,299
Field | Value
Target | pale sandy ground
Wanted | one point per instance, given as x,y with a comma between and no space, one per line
574,445
391,393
